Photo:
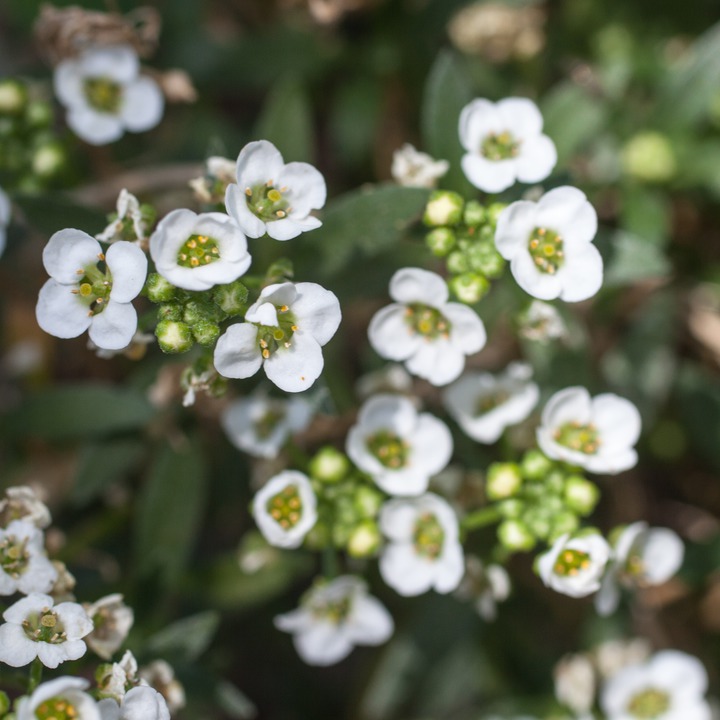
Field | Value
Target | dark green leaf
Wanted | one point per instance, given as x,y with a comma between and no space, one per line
50,213
185,639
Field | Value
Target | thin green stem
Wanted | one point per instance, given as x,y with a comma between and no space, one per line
36,671
330,565
481,518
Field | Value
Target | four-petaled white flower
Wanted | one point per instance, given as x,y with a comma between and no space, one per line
197,252
431,335
81,296
549,245
284,331
643,556
412,168
36,627
105,95
112,619
129,224
4,218
484,404
574,566
272,197
63,697
24,567
400,448
597,433
671,685
504,143
285,509
333,617
423,551
140,703
260,425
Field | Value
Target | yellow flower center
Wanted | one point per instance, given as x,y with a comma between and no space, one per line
285,507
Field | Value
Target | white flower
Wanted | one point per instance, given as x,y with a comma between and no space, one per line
105,95
486,585
23,503
81,296
412,168
140,703
272,197
398,447
574,566
643,556
670,686
574,679
36,627
161,676
285,509
504,143
423,551
129,217
612,656
219,173
197,252
549,245
484,404
542,322
59,698
115,680
431,335
597,433
24,567
390,378
284,332
4,218
333,617
112,619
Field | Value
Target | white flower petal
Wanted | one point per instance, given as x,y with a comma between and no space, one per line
566,210
144,703
59,312
520,117
142,105
68,251
237,207
582,275
537,159
94,127
468,331
237,353
411,285
534,282
114,327
401,569
284,229
514,226
477,120
16,649
258,162
296,368
432,444
369,622
439,362
491,176
317,311
663,553
307,190
617,420
322,644
118,63
68,84
128,265
451,569
390,334
572,404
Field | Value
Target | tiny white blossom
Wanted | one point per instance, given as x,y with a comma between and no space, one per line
211,187
611,656
129,215
390,378
549,245
273,197
597,433
485,585
24,566
284,331
197,252
81,296
285,509
412,168
400,448
5,211
542,322
431,335
118,678
161,676
643,556
139,703
423,550
36,627
22,503
575,683
574,566
669,686
333,617
112,619
105,95
63,697
484,404
504,143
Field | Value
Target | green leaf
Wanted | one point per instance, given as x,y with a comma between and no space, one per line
645,213
169,512
77,411
634,259
185,639
52,212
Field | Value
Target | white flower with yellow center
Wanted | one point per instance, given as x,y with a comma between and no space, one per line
197,252
333,617
285,509
105,95
423,550
597,433
112,619
412,168
129,224
90,290
140,703
284,331
484,404
62,699
644,556
36,627
273,197
431,335
504,143
24,567
671,685
549,245
574,566
400,448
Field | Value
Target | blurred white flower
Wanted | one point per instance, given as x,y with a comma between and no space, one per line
504,143
273,197
542,322
398,447
105,95
112,619
22,503
597,433
412,168
24,566
129,217
390,378
5,210
140,703
575,683
333,617
161,676
431,335
63,697
115,680
549,245
211,187
485,585
613,655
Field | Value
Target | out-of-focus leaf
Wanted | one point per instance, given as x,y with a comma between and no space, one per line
234,702
88,411
185,639
170,507
698,165
645,213
634,259
52,212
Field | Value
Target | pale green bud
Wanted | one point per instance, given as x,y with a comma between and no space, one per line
440,241
367,501
329,465
364,540
231,298
563,522
581,495
158,289
503,480
38,114
443,208
512,508
474,213
535,465
539,522
485,259
555,482
48,159
493,212
469,287
206,332
457,262
170,311
515,536
649,156
13,97
174,337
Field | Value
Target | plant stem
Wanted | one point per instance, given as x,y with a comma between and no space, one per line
330,563
36,670
481,518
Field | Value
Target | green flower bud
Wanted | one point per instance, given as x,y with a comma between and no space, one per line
503,480
231,298
38,114
469,287
13,97
329,465
443,208
364,540
48,159
158,289
649,156
440,241
485,259
514,535
474,213
198,311
4,703
340,535
512,508
581,495
206,332
535,465
539,522
555,482
493,213
174,337
170,311
563,522
367,501
457,263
